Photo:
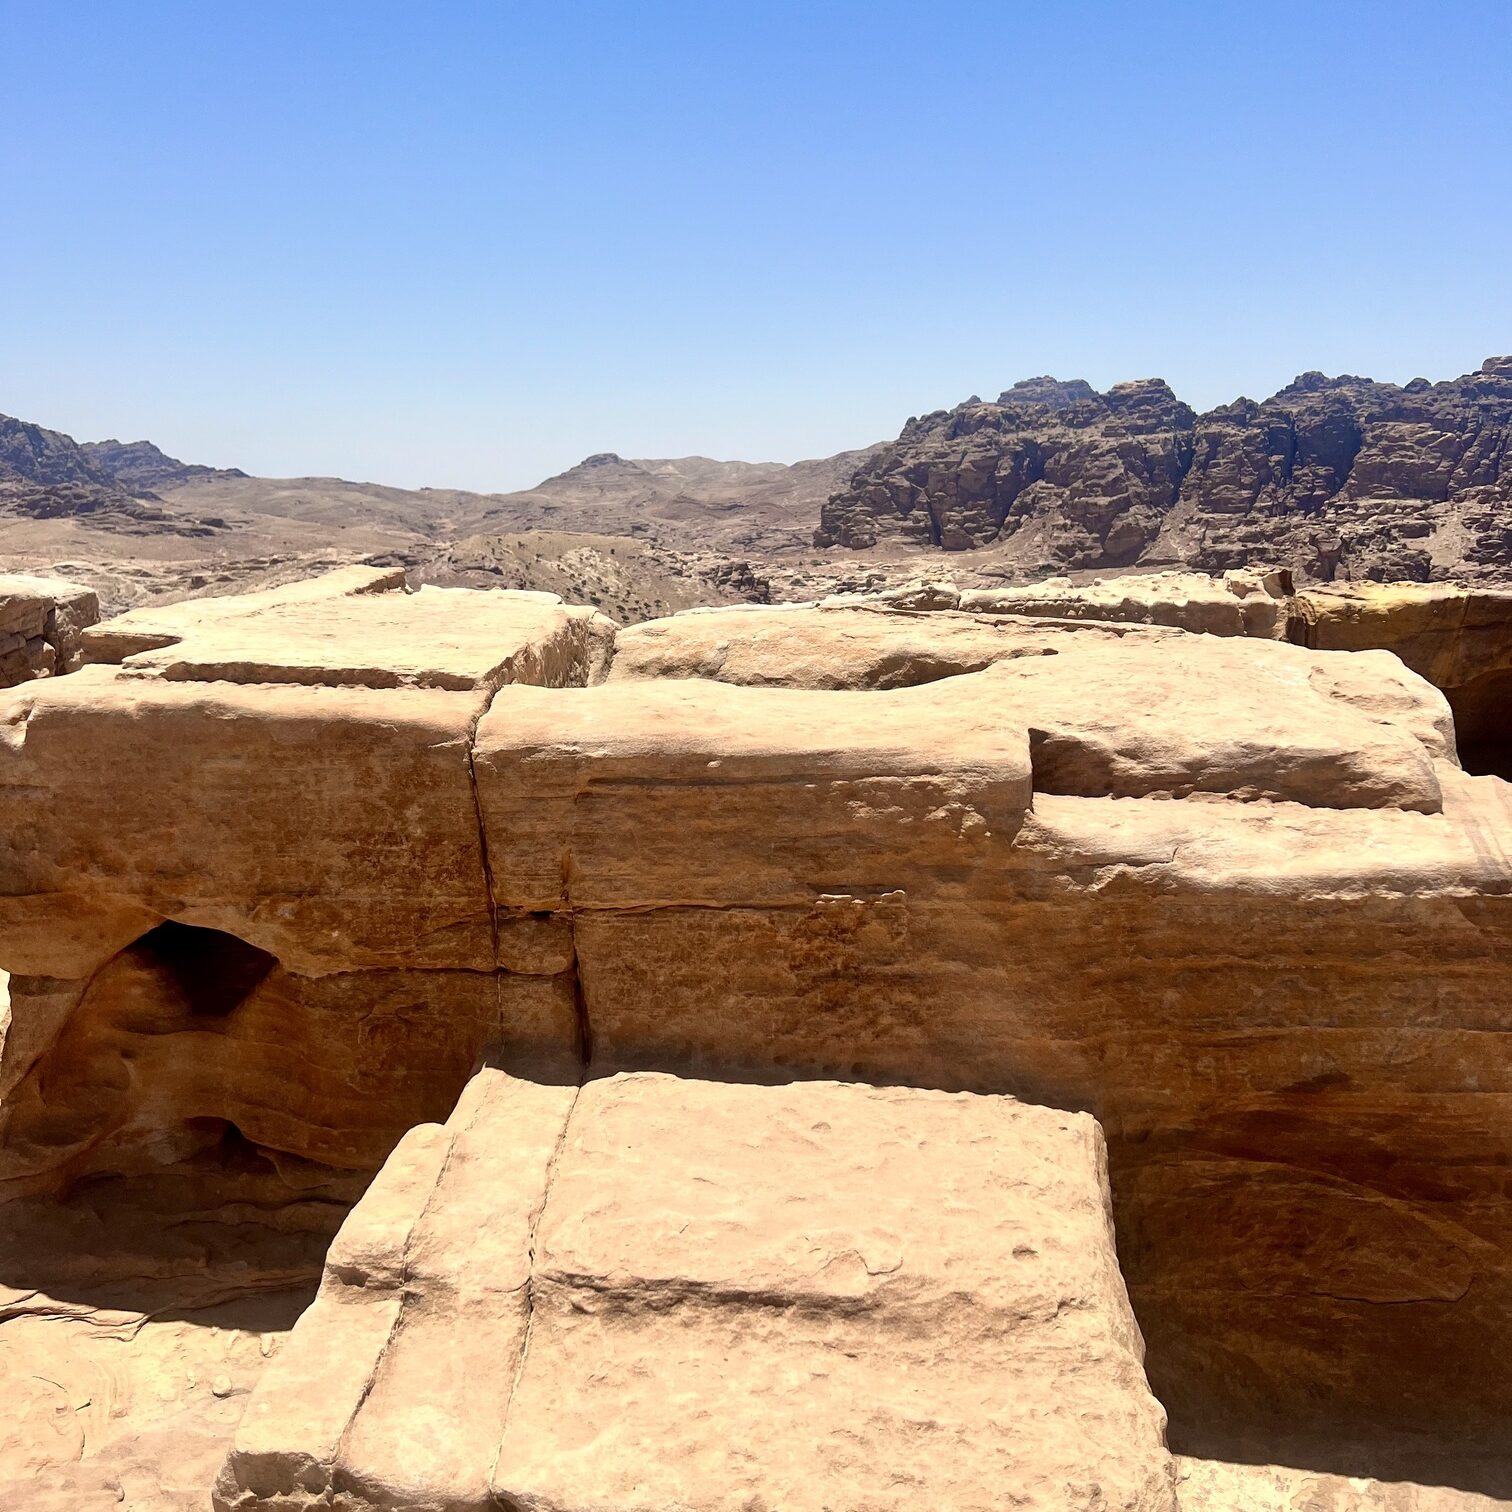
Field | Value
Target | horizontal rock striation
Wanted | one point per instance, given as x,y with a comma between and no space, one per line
42,624
1330,477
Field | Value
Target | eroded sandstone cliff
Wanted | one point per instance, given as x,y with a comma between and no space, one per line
1331,477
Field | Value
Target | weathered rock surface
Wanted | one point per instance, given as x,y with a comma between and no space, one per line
839,644
1235,987
1212,1485
1331,477
284,925
42,623
1231,895
137,1314
360,628
1459,638
1240,602
285,816
395,1385
659,1292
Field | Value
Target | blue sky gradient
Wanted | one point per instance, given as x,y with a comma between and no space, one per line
466,244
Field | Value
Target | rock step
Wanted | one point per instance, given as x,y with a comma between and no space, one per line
659,1292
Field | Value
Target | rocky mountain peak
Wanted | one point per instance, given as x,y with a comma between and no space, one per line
1331,476
1047,391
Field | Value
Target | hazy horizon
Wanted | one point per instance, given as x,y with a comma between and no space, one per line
470,246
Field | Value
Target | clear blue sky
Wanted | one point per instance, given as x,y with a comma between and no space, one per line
465,244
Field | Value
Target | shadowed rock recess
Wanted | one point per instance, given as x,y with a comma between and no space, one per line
1040,1047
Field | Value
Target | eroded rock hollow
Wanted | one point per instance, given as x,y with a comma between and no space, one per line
882,1052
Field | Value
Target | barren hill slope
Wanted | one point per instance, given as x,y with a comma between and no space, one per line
1335,478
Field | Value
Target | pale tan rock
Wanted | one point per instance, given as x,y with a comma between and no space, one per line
918,594
1305,987
1459,638
394,1387
835,645
1207,1485
822,1295
285,816
1240,602
1284,994
1207,715
1115,710
598,796
157,625
136,1317
359,628
657,1292
1445,632
156,834
602,795
151,1055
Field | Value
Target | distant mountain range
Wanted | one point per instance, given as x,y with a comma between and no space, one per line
46,474
1333,477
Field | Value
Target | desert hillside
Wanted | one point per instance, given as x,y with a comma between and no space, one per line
1331,478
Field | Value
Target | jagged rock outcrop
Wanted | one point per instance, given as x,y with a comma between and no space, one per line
141,465
42,625
268,902
1090,476
45,474
1330,477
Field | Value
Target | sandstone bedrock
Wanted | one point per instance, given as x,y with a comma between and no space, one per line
892,1050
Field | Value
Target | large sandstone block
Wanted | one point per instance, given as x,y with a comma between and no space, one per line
835,645
821,1295
736,797
1299,985
642,793
243,880
1232,896
285,816
660,1293
1237,603
1459,638
1443,631
393,1389
358,627
1113,709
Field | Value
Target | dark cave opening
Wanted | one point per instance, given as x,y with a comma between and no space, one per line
212,972
1483,723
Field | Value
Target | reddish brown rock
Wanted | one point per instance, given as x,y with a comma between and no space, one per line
1330,477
